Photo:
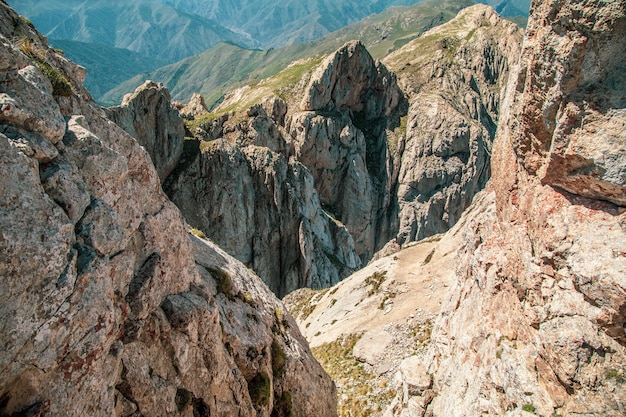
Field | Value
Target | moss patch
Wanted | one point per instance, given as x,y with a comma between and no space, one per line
259,389
278,358
223,282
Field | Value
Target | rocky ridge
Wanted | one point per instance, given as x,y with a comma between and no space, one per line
378,174
532,318
109,307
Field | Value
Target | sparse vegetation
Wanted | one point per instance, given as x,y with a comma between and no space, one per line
362,395
529,408
278,357
246,297
388,296
280,323
259,389
283,406
422,333
618,376
302,306
429,257
197,232
27,21
280,314
375,280
60,85
223,282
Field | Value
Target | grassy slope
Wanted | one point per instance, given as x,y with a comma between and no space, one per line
225,66
106,66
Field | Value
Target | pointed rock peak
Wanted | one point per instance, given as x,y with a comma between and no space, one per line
350,79
195,107
147,86
148,115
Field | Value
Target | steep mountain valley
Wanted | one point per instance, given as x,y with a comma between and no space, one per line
444,219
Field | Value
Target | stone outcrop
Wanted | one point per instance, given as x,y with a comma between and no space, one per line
454,77
195,107
108,306
148,116
527,292
350,102
264,210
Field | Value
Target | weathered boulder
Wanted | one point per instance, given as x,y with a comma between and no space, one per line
107,306
148,116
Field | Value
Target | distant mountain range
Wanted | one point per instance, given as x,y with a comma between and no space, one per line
147,27
116,40
275,23
225,66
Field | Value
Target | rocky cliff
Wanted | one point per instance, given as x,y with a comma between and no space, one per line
454,76
108,306
148,116
528,318
340,134
377,173
545,285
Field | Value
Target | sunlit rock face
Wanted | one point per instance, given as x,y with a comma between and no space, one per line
108,306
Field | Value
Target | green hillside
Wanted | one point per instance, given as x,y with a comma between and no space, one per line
227,66
143,26
107,66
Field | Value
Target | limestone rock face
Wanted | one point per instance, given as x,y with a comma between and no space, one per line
298,196
351,79
454,76
108,307
570,102
350,102
537,318
148,116
264,210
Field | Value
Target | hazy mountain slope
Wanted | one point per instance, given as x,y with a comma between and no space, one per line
144,26
509,7
282,22
205,73
106,66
